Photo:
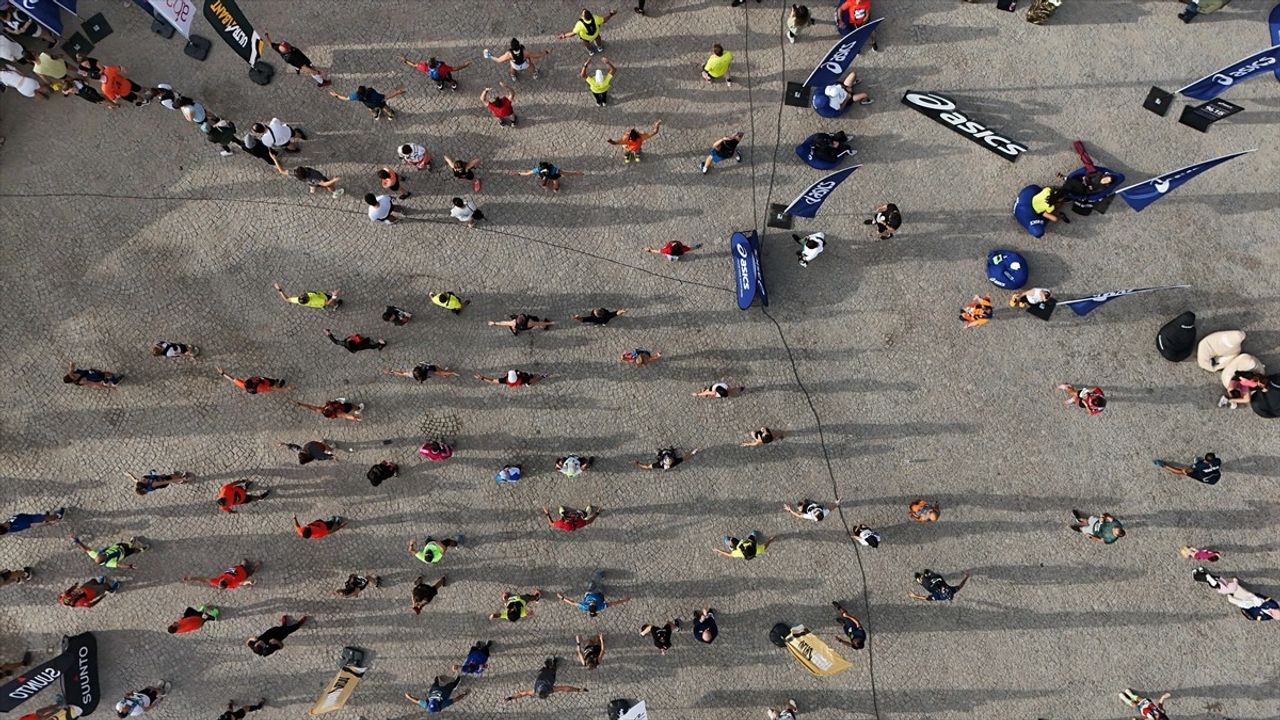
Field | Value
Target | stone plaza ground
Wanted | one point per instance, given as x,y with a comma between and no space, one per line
124,228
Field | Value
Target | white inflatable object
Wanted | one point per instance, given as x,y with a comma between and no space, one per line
1217,349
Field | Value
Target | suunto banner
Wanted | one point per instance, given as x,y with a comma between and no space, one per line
76,670
1142,194
1211,86
810,201
840,57
745,251
943,110
227,18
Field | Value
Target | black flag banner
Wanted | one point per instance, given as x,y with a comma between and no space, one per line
76,669
229,20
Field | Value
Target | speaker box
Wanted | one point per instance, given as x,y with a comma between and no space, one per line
1194,119
96,28
1158,101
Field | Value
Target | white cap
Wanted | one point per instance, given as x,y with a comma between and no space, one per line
512,376
599,75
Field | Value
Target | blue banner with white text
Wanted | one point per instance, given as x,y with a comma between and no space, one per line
810,201
1142,194
1274,20
1211,86
44,12
749,282
1084,306
840,57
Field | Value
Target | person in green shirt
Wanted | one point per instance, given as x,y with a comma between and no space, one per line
112,555
588,29
310,298
717,65
599,81
432,550
1102,528
1045,204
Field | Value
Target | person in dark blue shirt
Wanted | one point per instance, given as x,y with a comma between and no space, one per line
438,696
1207,469
477,659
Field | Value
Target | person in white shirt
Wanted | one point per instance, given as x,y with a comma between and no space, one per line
26,86
811,247
381,209
840,94
864,535
465,211
415,155
808,509
277,135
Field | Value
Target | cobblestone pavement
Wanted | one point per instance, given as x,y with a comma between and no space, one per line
125,228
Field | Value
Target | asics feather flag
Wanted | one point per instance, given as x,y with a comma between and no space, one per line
748,279
1142,194
1211,86
810,201
1085,305
840,57
1274,21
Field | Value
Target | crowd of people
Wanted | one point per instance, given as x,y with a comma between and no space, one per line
274,141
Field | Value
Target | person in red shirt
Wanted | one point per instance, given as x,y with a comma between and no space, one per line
317,529
674,250
513,378
88,593
853,14
632,140
570,519
438,70
501,105
236,493
231,578
193,619
254,385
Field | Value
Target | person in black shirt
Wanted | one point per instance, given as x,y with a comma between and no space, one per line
704,626
1207,469
356,343
723,149
298,60
519,323
238,713
273,639
599,316
544,686
852,628
887,220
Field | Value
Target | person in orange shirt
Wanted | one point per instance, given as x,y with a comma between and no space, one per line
977,312
115,87
194,619
853,14
317,529
231,578
236,493
632,140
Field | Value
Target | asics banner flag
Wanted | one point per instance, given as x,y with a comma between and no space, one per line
840,57
748,280
1085,305
1211,86
1142,194
810,201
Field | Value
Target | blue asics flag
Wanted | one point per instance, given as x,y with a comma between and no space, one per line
1142,194
840,57
1274,20
44,12
745,250
1211,86
1084,306
809,201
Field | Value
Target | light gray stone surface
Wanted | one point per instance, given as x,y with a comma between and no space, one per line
125,228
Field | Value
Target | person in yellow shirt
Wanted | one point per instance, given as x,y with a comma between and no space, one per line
599,81
587,29
717,65
1045,204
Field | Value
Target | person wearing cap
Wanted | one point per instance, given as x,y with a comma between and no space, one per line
840,95
298,60
717,65
450,302
513,379
723,149
438,696
599,81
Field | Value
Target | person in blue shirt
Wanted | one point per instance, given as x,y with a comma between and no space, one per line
939,590
375,101
477,659
593,601
438,695
548,174
1207,469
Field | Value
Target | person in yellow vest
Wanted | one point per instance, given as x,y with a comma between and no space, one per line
599,81
450,302
717,65
1045,204
310,298
588,29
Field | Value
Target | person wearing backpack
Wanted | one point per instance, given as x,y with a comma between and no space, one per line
439,71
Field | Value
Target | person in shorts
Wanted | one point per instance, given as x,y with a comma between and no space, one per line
672,249
374,101
381,209
432,550
1102,528
588,29
865,536
717,65
923,511
236,493
661,636
599,316
464,170
298,60
390,181
521,322
90,377
233,577
593,600
572,466
477,660
853,630
632,142
591,652
515,606
465,211
311,451
1091,399
415,155
25,521
1207,469
439,696
570,519
422,371
720,390
723,149
518,59
747,548
450,301
667,459
936,587
501,106
509,474
544,685
255,147
278,135
705,629
760,436
355,343
423,593
357,584
440,72
154,481
807,509
548,174
310,298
